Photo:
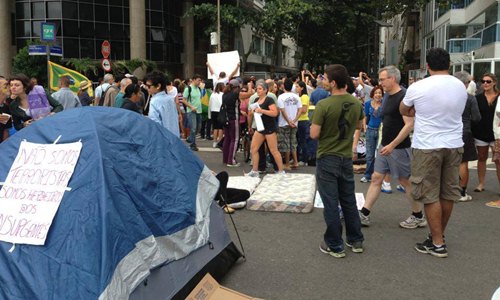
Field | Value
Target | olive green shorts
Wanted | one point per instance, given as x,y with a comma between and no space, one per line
434,174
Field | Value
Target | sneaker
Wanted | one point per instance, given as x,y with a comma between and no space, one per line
386,187
235,165
325,249
194,148
302,164
237,205
427,247
465,198
400,188
364,179
282,172
413,222
214,145
365,220
252,173
356,247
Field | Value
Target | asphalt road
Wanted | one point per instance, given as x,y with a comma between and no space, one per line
284,261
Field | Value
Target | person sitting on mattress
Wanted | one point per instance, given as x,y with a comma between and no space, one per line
230,198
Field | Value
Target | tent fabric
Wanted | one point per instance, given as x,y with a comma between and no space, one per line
139,199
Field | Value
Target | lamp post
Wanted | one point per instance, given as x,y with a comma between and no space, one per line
218,26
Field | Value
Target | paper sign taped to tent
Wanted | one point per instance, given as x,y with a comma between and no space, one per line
33,190
223,62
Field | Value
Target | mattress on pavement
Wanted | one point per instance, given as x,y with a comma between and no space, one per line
290,192
243,183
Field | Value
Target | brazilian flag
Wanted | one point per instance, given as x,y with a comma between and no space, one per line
57,71
204,102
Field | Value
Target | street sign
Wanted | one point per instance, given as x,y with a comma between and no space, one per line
42,50
48,32
106,65
37,50
105,49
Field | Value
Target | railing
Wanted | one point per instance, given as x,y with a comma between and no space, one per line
463,45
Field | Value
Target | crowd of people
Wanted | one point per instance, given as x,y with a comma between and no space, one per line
423,135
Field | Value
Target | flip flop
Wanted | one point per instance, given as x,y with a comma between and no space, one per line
295,167
494,204
478,190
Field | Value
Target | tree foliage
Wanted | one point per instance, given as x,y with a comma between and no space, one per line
86,66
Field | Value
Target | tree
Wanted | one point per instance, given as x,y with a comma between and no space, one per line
232,16
86,65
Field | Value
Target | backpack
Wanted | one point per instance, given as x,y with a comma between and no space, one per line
38,103
103,95
222,117
189,93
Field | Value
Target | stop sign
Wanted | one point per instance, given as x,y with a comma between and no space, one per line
105,49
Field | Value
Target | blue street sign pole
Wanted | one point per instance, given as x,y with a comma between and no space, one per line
48,35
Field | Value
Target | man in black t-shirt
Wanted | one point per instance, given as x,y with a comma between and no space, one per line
394,153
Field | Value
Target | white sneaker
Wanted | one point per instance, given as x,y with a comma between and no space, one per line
282,172
252,174
214,144
413,222
363,179
237,205
465,198
386,187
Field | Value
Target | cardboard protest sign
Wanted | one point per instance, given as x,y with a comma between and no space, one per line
223,62
38,103
33,190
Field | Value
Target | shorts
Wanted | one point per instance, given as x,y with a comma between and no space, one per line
267,131
434,175
216,124
470,152
287,139
398,163
483,143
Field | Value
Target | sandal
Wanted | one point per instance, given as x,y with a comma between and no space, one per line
295,167
494,204
478,190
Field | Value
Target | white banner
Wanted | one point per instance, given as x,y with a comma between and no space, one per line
223,62
33,190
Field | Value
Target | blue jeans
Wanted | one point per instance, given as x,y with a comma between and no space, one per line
194,123
335,181
371,138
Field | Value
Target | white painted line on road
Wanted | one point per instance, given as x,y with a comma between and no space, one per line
209,149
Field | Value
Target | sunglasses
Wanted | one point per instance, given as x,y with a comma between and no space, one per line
486,81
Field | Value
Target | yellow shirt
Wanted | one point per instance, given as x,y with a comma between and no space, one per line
305,102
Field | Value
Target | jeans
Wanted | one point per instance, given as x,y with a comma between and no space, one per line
335,181
302,137
194,123
371,137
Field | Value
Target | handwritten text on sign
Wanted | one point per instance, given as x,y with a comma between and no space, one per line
33,190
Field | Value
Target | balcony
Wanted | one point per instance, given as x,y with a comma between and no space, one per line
463,45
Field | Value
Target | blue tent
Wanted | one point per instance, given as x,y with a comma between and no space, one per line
141,204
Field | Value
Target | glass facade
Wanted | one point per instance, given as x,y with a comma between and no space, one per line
82,26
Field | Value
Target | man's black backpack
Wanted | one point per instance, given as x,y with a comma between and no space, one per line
222,117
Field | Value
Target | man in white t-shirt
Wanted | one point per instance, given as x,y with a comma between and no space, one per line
290,106
222,75
437,103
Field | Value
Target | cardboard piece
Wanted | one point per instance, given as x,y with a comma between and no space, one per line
210,289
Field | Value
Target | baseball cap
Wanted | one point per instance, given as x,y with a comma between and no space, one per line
234,82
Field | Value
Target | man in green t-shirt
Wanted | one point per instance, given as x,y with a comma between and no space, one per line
192,100
334,121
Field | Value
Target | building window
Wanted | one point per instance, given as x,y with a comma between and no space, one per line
54,10
257,45
269,49
38,10
23,11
